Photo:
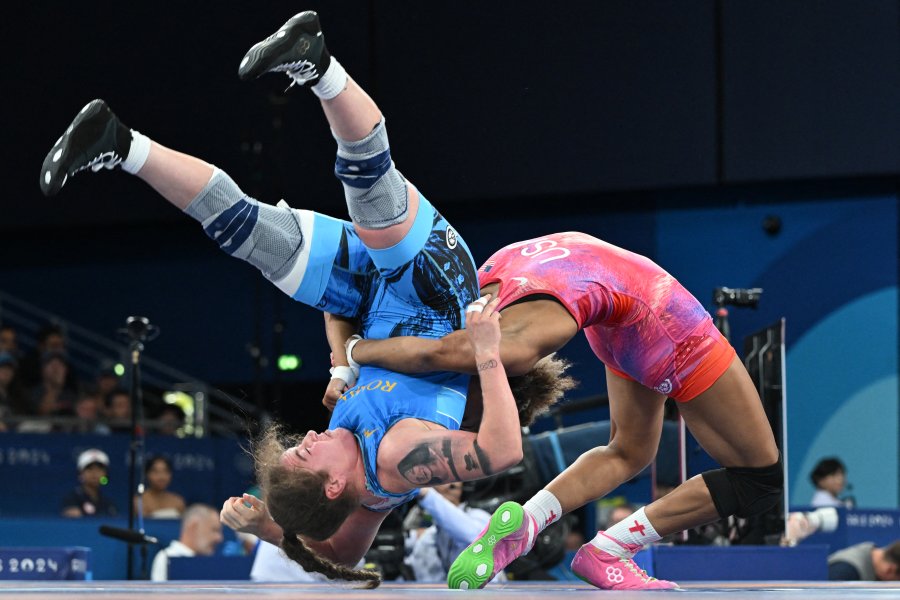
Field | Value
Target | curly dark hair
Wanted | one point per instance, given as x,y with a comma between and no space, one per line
297,502
542,387
535,392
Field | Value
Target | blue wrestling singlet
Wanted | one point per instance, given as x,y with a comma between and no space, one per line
420,287
382,398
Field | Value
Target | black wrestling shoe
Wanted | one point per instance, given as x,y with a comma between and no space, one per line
297,49
96,139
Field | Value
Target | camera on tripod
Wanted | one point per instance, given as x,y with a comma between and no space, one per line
723,296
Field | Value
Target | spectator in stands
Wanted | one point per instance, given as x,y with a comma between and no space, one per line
88,415
10,394
87,500
50,397
454,526
118,410
158,502
170,420
107,380
9,340
829,477
201,533
865,562
50,339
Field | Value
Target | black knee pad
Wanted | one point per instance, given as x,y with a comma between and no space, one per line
745,491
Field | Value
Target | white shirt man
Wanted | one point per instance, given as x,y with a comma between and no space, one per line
201,533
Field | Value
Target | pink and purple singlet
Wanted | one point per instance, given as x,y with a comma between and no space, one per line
638,319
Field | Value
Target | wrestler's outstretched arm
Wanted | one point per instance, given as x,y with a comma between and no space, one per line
531,331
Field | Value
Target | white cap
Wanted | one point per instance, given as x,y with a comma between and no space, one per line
91,456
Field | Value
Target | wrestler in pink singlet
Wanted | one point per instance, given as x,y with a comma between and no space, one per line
637,318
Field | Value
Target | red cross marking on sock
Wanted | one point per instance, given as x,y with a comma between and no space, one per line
550,518
638,528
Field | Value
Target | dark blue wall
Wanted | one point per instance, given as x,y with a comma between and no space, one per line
504,100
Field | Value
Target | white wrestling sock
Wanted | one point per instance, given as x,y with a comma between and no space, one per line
332,82
545,509
636,530
137,154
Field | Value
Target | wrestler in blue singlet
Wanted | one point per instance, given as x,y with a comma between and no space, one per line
419,287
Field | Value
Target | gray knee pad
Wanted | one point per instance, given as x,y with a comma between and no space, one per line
376,192
268,237
745,491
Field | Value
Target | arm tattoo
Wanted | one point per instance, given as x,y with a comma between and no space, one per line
488,364
471,463
483,459
448,453
429,463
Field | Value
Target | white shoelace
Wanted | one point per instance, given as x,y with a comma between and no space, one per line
632,566
300,72
106,160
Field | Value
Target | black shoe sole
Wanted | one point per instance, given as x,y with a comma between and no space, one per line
277,49
55,169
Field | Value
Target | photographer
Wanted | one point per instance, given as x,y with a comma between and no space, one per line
865,562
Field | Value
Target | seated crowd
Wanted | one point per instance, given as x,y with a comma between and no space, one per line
40,392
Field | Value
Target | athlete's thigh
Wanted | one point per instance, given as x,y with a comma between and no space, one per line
729,422
427,279
636,416
340,276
